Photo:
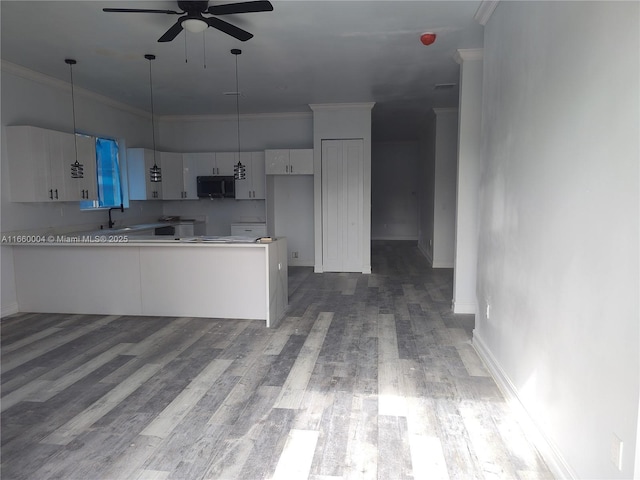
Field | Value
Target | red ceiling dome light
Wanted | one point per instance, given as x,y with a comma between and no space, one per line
428,38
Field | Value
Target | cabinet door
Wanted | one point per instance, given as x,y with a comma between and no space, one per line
87,187
62,153
277,162
172,176
253,186
225,162
28,163
191,164
244,189
301,162
154,189
200,164
258,178
139,161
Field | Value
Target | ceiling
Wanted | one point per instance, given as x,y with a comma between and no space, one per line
303,52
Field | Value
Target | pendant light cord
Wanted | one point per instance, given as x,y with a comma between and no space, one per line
73,108
153,125
238,107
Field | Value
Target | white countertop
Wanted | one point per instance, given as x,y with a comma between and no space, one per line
108,238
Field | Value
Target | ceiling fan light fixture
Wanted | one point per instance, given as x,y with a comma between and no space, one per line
195,25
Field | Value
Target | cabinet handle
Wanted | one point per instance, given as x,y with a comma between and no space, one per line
286,168
56,194
291,169
51,194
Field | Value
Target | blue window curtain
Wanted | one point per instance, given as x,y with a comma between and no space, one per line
108,176
108,168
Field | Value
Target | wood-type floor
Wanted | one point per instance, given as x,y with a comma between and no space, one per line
368,377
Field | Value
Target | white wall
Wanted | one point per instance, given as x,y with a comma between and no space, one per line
426,194
559,220
438,149
292,201
33,99
444,194
394,190
469,167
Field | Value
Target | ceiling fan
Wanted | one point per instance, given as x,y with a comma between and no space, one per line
193,18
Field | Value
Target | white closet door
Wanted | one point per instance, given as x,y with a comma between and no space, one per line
342,205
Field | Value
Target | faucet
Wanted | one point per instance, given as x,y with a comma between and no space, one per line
111,222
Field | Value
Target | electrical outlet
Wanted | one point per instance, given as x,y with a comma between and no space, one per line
616,451
294,254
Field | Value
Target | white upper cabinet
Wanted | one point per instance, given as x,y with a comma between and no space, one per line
173,187
225,162
289,162
40,165
139,162
253,186
86,187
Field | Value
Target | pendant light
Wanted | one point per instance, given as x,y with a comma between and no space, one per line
239,170
77,169
155,173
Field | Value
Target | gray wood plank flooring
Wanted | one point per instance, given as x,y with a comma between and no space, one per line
367,377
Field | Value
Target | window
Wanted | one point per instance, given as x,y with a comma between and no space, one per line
108,176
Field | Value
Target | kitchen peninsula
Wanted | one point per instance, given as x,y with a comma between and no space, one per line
211,277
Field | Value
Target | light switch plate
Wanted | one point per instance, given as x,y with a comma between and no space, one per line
616,451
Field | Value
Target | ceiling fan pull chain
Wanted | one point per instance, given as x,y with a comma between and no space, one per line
185,50
204,51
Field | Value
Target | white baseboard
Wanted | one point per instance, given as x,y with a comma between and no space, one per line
441,265
549,452
426,253
300,263
9,309
464,308
397,237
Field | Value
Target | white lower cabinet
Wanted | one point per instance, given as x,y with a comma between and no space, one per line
249,229
40,165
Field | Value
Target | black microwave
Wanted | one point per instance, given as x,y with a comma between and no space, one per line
216,186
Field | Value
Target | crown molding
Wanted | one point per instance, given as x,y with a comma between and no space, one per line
41,78
467,54
486,8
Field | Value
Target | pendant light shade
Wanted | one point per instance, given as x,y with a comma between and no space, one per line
155,173
239,170
77,169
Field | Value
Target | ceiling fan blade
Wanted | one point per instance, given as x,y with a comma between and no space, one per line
242,7
172,32
138,10
229,29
